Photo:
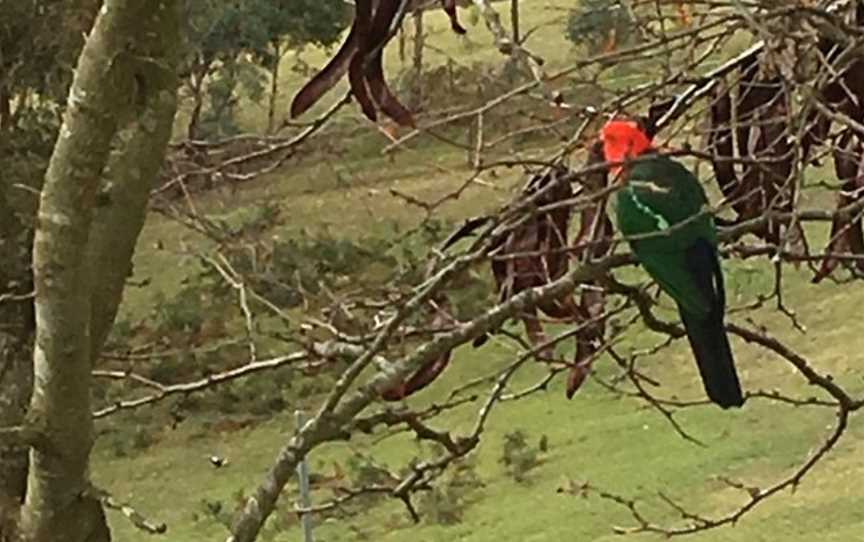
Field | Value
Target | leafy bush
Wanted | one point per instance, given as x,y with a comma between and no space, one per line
214,510
451,82
258,395
445,504
517,456
142,438
118,445
182,312
287,272
220,512
597,24
362,470
441,507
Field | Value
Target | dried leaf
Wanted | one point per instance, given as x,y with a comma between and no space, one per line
684,18
361,55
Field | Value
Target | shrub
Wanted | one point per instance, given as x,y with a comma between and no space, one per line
595,22
215,510
446,504
362,470
440,507
142,438
517,456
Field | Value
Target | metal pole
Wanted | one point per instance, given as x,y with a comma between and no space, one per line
303,477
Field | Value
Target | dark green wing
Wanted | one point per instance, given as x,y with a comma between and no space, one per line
662,201
665,202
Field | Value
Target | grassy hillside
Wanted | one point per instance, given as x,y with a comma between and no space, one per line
616,443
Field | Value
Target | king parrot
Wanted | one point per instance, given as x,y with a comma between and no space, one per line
660,209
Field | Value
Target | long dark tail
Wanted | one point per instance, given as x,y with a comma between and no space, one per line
714,357
706,332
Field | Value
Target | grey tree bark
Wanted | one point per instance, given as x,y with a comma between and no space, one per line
111,144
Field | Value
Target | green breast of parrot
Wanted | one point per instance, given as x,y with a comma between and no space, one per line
664,202
662,211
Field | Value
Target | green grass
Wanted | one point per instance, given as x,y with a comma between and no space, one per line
616,444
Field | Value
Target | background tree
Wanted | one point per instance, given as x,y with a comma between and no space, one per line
35,58
351,279
602,25
230,42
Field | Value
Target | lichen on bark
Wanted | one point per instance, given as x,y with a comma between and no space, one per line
123,97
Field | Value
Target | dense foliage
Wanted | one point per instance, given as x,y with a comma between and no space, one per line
600,25
231,43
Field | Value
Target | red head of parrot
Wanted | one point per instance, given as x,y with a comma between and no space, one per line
622,140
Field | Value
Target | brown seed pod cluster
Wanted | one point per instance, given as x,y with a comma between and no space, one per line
362,57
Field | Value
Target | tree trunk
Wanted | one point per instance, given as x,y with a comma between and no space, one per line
5,108
125,79
274,87
514,20
196,85
16,361
131,174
